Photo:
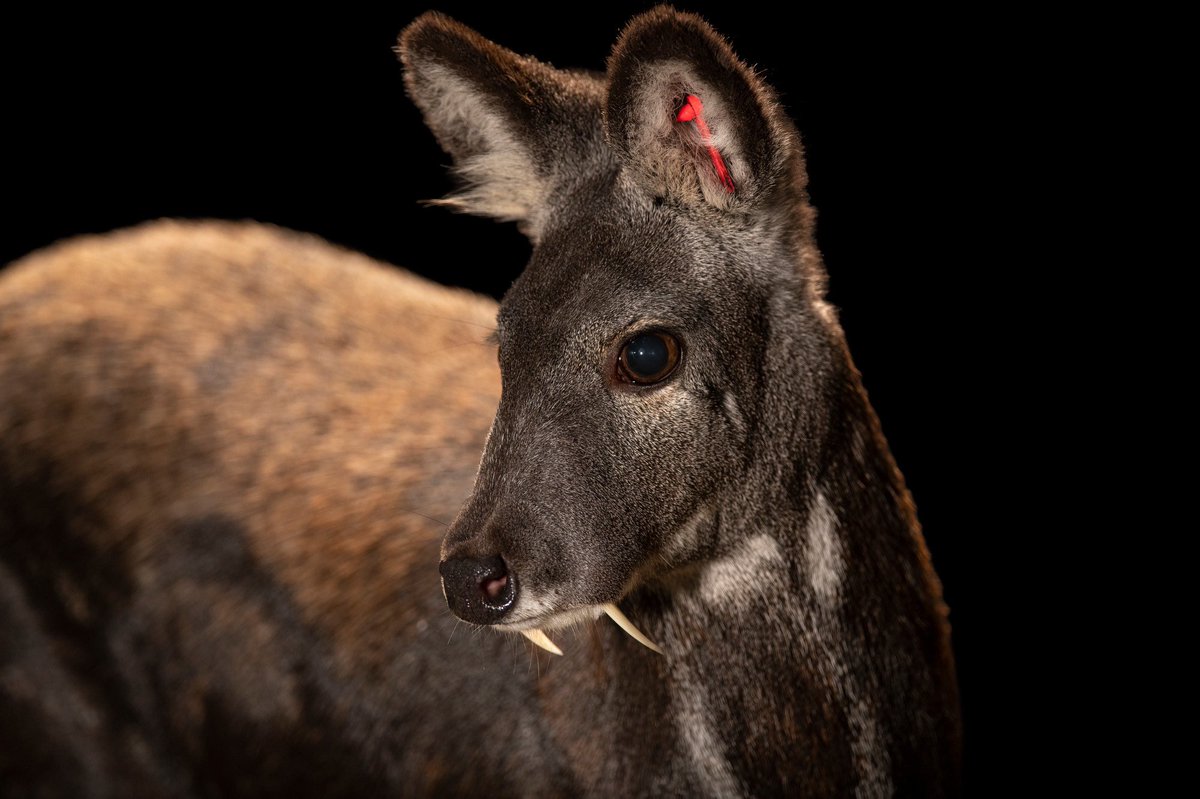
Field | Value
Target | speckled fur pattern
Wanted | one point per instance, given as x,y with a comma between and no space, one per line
225,449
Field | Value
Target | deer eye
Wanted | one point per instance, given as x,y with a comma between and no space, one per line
648,358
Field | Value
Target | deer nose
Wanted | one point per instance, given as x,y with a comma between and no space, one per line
478,590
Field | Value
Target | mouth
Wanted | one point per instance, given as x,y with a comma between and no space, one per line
484,591
534,628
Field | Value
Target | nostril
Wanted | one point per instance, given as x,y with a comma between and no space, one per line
479,590
496,589
493,587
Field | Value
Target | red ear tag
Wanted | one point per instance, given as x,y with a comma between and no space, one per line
693,111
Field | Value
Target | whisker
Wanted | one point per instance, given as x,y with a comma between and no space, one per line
424,516
484,343
451,319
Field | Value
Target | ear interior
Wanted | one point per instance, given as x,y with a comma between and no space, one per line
689,118
692,111
463,85
508,121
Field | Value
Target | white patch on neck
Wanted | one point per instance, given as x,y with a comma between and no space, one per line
734,412
738,578
872,764
697,733
686,540
826,567
731,585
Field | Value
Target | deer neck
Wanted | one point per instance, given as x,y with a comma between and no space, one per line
820,485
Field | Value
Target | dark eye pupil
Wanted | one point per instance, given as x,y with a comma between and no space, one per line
646,355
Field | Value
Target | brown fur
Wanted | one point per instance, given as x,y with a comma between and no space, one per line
135,369
244,317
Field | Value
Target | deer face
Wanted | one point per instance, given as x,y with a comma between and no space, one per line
664,202
616,426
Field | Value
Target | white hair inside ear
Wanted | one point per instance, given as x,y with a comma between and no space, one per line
498,175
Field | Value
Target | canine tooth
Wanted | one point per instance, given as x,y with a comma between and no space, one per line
625,624
539,638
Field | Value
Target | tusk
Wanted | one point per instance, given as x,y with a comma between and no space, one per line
539,638
625,624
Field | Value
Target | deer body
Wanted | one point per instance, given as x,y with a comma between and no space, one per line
225,450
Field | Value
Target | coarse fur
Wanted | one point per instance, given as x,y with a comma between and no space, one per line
225,449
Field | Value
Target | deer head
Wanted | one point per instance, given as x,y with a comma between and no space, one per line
665,353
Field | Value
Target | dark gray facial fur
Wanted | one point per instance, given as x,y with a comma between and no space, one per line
587,480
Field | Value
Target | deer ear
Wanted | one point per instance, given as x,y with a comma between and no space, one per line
689,119
508,121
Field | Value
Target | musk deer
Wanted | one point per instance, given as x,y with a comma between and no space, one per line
224,448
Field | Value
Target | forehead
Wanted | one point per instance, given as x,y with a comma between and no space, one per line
618,260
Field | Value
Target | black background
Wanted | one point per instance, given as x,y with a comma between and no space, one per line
299,118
